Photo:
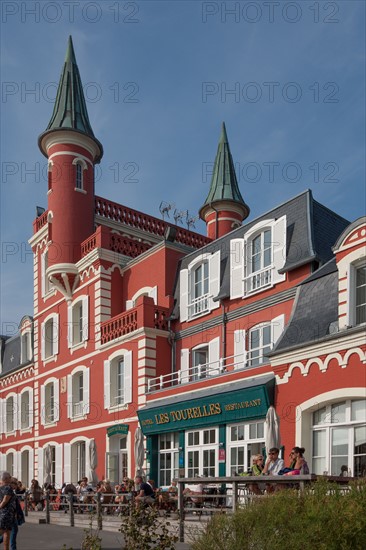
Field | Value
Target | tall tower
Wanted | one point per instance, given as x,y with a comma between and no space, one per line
224,208
72,151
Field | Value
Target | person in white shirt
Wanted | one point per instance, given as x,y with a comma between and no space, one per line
272,466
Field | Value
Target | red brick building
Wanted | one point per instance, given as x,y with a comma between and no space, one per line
140,323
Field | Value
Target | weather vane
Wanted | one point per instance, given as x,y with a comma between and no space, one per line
165,207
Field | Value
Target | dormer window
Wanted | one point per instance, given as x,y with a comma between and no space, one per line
259,266
257,259
26,347
200,289
199,285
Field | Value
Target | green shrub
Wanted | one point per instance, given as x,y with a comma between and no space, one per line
321,517
142,530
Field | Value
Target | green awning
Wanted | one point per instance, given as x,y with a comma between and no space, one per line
246,400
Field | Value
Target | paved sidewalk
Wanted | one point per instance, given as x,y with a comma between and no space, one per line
33,536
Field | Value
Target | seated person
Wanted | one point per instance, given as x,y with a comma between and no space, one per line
273,466
145,493
195,493
256,470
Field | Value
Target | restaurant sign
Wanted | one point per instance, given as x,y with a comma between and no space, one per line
252,402
121,429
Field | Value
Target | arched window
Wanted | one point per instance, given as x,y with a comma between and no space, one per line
118,380
78,392
78,460
80,166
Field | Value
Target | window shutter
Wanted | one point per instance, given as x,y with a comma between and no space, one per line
40,466
277,325
183,302
69,325
2,462
56,393
69,396
214,357
184,366
2,416
128,376
55,334
58,469
129,304
214,274
107,384
67,463
236,268
19,410
43,341
279,248
31,408
43,273
240,354
86,391
17,464
31,465
16,412
85,318
43,405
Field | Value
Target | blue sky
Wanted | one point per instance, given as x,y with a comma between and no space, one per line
288,78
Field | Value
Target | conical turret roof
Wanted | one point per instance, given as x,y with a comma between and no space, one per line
224,185
70,112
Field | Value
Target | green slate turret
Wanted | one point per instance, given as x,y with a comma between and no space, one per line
70,112
224,208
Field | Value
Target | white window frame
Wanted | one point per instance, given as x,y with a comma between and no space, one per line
78,326
78,409
201,447
327,427
26,345
242,339
191,308
212,368
30,413
46,418
151,291
80,166
46,356
243,281
47,288
243,443
7,415
110,366
173,450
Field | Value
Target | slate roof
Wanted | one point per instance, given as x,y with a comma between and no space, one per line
312,230
315,310
70,112
10,353
224,185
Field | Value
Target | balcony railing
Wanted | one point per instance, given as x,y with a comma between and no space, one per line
40,221
258,280
224,365
143,315
118,326
150,224
198,305
104,238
